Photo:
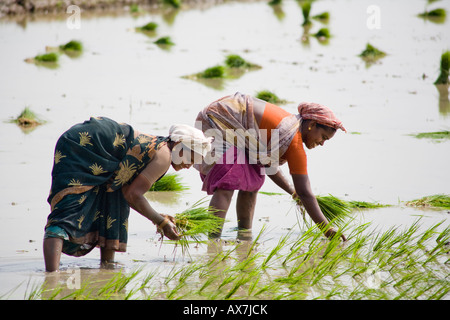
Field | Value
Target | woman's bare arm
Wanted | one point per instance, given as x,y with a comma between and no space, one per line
309,201
134,193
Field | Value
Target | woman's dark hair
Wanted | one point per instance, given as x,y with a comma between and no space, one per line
325,127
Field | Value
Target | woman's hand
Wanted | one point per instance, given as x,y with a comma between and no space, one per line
167,227
331,233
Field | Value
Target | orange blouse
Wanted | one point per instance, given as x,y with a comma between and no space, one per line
295,154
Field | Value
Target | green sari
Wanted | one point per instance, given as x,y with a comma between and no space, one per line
93,161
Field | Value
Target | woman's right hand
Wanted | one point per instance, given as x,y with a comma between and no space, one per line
167,228
331,233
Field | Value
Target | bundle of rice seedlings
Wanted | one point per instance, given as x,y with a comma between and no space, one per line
306,9
72,45
212,72
27,119
196,222
434,201
437,135
436,15
323,17
269,96
236,61
445,68
333,208
372,54
164,41
51,57
176,4
366,205
323,34
169,182
149,27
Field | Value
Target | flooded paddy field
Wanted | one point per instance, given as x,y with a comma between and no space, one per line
122,74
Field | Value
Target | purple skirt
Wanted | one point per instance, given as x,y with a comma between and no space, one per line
234,173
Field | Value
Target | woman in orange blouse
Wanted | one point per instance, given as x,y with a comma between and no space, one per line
225,171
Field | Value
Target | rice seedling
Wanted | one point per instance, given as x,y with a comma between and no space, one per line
371,54
164,41
195,223
275,2
323,17
27,119
306,9
72,45
47,57
236,61
176,4
333,208
212,72
234,67
149,27
270,97
438,135
441,201
444,69
169,182
366,205
436,15
323,34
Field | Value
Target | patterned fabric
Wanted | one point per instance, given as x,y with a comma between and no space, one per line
93,161
321,114
232,123
233,175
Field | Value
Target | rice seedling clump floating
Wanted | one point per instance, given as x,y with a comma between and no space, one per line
27,119
436,15
437,135
234,67
441,201
72,45
445,68
164,41
149,27
371,54
168,182
270,97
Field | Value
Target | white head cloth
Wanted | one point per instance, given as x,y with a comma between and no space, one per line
192,138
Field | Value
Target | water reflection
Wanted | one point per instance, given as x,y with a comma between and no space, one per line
444,103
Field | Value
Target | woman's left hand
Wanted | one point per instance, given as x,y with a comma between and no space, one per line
167,228
331,233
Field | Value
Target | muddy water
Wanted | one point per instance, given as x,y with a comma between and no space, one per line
123,75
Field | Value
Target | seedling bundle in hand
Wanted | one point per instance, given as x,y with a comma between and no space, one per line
196,223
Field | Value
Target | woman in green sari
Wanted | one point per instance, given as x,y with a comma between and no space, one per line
101,169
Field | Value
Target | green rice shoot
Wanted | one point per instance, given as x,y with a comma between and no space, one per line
444,69
438,13
333,208
371,54
323,17
72,45
323,34
27,119
441,201
50,57
169,182
437,135
196,223
212,72
149,27
164,41
306,9
269,96
236,61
